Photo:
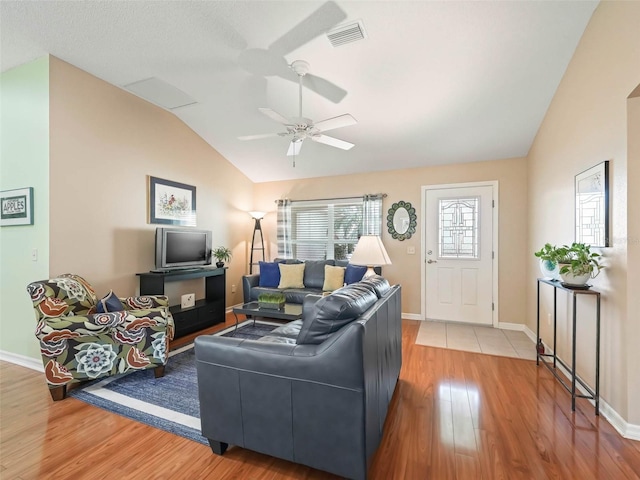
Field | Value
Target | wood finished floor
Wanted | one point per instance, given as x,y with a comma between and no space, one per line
454,415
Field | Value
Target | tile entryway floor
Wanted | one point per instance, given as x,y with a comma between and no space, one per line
492,341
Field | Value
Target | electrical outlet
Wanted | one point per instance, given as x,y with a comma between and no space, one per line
411,250
548,319
188,300
233,289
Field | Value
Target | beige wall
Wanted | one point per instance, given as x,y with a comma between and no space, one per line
104,144
633,253
406,185
585,124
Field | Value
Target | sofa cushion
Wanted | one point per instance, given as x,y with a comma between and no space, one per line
331,313
354,273
314,272
273,339
291,295
291,275
297,295
289,330
269,274
379,284
333,278
288,261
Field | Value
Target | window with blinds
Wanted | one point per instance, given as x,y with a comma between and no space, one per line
330,229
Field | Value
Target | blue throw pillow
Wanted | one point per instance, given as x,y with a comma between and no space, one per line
354,273
269,274
109,303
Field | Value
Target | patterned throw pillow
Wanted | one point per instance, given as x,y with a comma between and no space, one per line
269,274
333,278
109,303
291,276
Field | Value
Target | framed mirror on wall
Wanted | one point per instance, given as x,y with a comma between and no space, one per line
401,220
592,206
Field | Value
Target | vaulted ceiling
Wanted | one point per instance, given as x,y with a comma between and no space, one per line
431,83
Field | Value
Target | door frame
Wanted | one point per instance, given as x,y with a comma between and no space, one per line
423,257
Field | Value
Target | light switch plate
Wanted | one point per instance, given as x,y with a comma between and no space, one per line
188,300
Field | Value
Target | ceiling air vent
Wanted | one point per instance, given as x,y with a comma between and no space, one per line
161,93
349,33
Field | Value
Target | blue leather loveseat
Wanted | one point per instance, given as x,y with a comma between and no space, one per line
313,279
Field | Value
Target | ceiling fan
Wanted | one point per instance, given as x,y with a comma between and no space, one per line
271,61
300,128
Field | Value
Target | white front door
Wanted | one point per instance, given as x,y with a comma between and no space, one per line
459,254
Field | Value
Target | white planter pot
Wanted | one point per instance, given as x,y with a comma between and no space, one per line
550,270
578,281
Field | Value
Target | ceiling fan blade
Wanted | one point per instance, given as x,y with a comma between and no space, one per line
324,87
275,116
294,147
334,142
320,21
259,136
335,122
316,84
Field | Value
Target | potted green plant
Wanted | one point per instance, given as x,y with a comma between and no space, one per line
578,264
274,301
221,254
548,263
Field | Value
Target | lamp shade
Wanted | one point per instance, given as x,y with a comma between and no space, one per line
257,215
370,252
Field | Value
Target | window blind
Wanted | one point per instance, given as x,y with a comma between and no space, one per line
330,229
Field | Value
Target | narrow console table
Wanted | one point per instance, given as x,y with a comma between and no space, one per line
206,312
552,366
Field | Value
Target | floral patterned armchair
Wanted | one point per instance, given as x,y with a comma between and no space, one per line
77,343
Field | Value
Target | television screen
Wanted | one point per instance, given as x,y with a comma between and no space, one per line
179,248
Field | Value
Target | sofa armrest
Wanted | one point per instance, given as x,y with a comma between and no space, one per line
99,323
248,282
142,302
337,361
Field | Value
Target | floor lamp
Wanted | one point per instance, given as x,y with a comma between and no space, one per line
257,216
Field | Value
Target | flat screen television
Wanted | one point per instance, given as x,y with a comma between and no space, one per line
182,248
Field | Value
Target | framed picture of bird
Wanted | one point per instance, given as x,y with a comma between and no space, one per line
171,203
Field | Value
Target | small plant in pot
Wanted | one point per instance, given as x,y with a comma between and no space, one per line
221,254
578,264
548,264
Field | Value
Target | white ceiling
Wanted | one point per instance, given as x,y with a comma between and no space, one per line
433,83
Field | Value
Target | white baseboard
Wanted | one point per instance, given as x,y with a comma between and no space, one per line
22,360
412,316
627,430
511,326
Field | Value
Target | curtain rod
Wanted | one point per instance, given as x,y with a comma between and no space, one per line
383,195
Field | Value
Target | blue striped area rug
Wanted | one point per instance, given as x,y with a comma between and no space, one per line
169,403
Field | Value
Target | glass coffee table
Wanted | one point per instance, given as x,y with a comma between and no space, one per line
290,312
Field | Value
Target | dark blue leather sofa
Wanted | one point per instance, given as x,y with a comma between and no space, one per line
315,391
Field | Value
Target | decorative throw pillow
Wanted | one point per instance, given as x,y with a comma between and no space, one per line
269,274
333,278
109,303
291,275
314,273
354,273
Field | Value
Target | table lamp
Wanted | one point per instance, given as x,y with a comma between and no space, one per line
370,252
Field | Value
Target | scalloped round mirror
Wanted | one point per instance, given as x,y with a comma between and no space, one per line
401,220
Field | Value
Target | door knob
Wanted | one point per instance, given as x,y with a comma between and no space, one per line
432,261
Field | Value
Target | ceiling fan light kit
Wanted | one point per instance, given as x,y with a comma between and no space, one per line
300,128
